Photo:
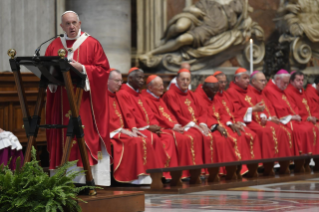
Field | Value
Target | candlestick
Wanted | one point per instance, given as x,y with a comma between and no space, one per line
251,56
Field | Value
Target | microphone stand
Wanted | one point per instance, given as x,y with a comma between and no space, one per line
37,51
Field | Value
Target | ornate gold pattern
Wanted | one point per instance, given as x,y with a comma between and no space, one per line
211,148
274,137
12,53
73,143
68,114
248,99
288,103
228,111
118,114
146,115
289,135
145,151
266,108
191,110
251,145
304,101
216,114
61,53
166,115
192,149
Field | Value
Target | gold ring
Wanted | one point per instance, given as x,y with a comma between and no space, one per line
224,132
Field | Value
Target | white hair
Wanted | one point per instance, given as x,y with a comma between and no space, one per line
281,75
239,74
115,70
70,11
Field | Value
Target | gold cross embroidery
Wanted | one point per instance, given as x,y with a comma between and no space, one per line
191,110
187,102
161,109
248,99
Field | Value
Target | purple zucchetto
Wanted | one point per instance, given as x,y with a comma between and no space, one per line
252,74
282,71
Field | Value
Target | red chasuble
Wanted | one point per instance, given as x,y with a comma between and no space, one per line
301,101
313,96
227,149
182,105
137,114
285,140
302,131
132,156
93,110
252,140
184,142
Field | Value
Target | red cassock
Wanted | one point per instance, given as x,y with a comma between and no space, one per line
132,156
285,140
301,101
137,114
93,110
313,96
183,106
252,140
302,131
231,148
271,135
185,141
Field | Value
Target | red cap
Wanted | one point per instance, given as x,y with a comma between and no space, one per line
150,78
240,70
217,72
183,70
133,69
211,79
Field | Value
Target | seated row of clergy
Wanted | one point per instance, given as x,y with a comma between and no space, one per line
180,128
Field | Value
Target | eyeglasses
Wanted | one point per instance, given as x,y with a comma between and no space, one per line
117,81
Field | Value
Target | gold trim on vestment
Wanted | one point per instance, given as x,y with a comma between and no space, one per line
288,103
251,143
248,99
228,111
211,148
315,136
274,137
166,115
192,149
146,115
191,110
145,151
118,114
304,101
289,135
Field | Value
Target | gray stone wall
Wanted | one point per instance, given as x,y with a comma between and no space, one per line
24,26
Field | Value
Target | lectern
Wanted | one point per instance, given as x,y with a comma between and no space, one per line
56,71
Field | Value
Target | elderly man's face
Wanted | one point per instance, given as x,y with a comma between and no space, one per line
222,79
70,24
157,86
212,90
242,81
115,81
137,80
282,82
259,81
298,82
183,80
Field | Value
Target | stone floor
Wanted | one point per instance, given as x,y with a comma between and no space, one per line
298,196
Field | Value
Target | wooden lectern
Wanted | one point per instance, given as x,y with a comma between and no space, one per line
57,71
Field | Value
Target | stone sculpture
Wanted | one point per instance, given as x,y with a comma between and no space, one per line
207,34
298,24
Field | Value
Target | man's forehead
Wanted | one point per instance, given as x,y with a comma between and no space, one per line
184,74
69,15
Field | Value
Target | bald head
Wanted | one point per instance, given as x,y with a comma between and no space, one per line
258,81
156,86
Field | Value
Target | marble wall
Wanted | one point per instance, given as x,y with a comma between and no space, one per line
24,26
109,22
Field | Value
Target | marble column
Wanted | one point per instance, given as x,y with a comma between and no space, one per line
24,26
109,21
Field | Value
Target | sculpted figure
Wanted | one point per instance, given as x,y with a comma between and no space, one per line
202,30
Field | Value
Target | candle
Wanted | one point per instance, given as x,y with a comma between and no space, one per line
251,56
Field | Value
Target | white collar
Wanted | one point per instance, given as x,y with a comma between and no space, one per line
314,85
148,91
132,87
67,38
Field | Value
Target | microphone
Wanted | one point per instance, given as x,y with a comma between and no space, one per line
37,51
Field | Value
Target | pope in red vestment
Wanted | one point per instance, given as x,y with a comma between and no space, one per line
296,96
273,139
312,94
140,119
182,104
132,154
252,140
288,114
88,57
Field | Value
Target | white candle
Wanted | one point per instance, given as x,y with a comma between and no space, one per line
251,56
